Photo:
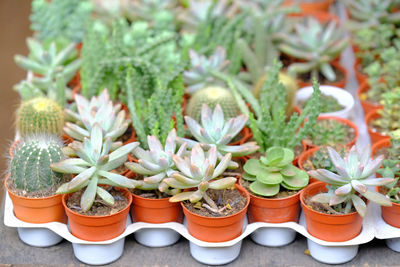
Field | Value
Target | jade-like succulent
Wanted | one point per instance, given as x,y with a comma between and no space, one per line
214,131
315,43
352,181
212,95
100,110
93,167
200,171
40,116
276,169
198,76
156,164
30,166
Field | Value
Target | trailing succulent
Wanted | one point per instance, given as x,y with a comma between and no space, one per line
157,163
352,181
272,171
214,131
93,167
200,170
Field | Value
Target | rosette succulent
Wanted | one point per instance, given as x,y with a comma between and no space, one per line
100,110
200,171
352,181
269,173
156,164
94,166
214,131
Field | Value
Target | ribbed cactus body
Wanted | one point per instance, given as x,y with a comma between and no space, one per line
40,115
212,96
30,166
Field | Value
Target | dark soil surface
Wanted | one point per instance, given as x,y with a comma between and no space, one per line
283,192
99,208
325,208
222,198
306,77
152,194
125,137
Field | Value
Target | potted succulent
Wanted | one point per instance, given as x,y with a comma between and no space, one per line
334,208
95,200
151,194
310,6
31,185
274,185
214,204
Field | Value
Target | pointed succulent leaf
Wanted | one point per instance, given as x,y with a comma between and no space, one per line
89,195
360,205
377,198
118,179
180,197
81,178
107,197
223,183
322,198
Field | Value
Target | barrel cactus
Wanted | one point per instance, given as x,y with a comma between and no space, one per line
40,115
30,166
212,96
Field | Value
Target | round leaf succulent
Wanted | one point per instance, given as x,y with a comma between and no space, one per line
269,173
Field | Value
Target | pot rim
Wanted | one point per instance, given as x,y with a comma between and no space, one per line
393,204
65,196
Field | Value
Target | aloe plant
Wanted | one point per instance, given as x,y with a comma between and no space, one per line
200,171
352,181
269,173
156,164
94,166
214,131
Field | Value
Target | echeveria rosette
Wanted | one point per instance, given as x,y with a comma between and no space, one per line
93,166
100,110
352,180
156,164
269,173
214,131
199,170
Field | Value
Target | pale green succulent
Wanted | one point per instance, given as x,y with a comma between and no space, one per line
276,169
214,131
200,171
198,76
352,181
93,167
156,164
317,44
100,110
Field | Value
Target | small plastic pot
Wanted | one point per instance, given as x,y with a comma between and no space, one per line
98,228
332,228
343,97
366,105
304,157
374,135
332,254
391,215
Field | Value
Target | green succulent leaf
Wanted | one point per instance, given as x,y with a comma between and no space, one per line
263,189
249,177
269,178
299,180
253,167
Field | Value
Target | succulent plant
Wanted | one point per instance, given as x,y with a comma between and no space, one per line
214,131
269,173
212,95
350,184
40,116
389,119
315,43
330,133
93,167
156,164
30,166
100,110
320,159
198,76
200,171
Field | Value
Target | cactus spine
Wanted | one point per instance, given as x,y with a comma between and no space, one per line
30,166
212,96
40,115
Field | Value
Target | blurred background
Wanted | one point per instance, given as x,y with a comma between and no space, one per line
14,16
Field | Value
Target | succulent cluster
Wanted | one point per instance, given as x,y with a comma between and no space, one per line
351,182
269,173
329,132
389,116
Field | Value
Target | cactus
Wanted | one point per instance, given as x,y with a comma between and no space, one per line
212,96
40,115
30,166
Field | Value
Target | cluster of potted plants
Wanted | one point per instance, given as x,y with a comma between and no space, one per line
183,112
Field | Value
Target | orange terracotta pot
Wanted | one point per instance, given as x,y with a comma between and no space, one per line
318,6
391,215
343,121
98,228
361,76
277,210
374,135
380,144
217,229
366,105
37,210
155,210
304,157
332,228
246,136
341,84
